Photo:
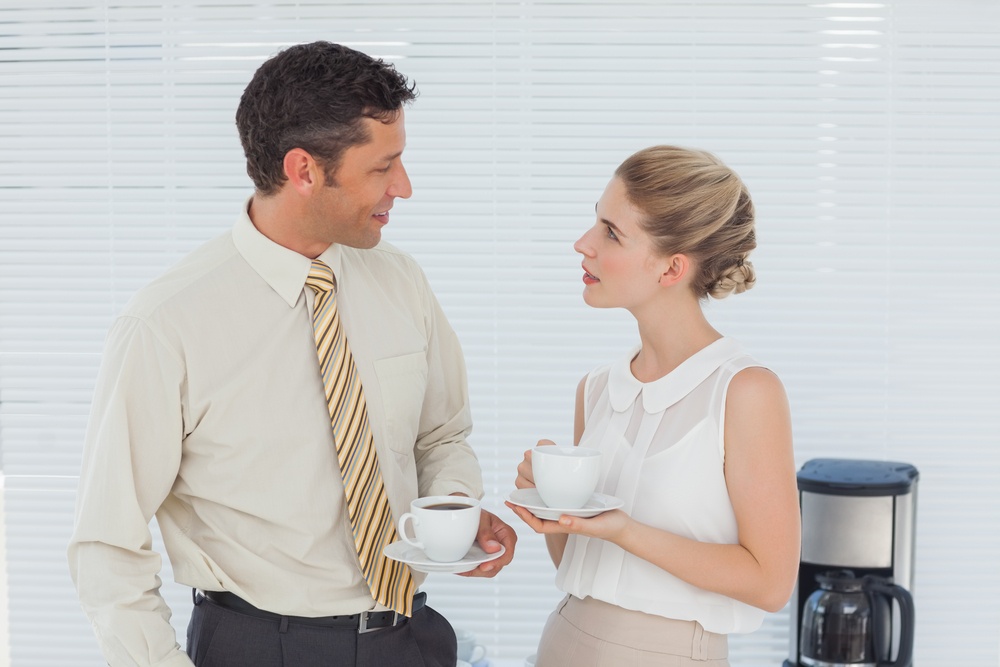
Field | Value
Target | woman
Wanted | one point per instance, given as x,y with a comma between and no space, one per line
695,435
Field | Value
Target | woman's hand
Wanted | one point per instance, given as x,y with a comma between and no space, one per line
555,542
611,526
525,480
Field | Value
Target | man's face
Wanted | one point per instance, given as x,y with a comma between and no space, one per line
353,209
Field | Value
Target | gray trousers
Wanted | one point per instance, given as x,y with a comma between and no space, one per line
221,637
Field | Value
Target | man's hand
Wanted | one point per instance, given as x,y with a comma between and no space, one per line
492,534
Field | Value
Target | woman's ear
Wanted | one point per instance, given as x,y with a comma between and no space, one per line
677,269
304,174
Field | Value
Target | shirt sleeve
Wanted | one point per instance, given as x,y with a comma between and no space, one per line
131,458
445,461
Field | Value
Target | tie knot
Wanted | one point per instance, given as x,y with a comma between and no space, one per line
320,277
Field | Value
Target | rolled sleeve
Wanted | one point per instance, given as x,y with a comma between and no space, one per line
131,457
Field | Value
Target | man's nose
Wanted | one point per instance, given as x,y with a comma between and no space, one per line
401,186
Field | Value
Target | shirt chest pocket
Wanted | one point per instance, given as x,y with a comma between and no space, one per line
403,382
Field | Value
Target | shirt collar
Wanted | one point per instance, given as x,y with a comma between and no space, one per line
658,395
283,269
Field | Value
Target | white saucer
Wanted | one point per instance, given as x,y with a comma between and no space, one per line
418,560
531,501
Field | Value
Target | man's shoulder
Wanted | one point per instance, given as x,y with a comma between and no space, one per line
183,278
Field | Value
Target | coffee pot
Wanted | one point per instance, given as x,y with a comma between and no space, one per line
847,622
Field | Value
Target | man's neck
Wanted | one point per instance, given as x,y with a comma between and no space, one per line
280,220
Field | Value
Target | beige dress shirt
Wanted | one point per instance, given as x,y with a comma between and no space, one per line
209,412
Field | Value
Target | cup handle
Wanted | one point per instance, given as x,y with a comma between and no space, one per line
478,653
402,530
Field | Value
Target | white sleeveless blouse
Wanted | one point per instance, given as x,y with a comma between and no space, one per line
663,455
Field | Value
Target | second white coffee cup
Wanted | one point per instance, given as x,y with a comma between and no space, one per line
444,526
565,477
468,649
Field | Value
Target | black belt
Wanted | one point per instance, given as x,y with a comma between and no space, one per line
366,621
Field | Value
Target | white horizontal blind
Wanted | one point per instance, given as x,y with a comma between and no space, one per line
869,134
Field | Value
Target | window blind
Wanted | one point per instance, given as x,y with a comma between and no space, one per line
867,132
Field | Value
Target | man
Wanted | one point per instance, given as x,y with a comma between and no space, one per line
242,392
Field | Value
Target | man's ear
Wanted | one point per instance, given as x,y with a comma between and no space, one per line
304,174
677,269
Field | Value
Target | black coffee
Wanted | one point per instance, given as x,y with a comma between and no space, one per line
447,506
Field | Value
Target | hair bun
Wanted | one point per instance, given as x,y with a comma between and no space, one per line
737,280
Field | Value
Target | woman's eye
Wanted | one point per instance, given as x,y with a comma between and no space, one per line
611,234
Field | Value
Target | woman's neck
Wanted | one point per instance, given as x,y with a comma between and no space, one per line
669,337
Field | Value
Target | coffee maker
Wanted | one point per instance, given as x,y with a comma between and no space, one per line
858,516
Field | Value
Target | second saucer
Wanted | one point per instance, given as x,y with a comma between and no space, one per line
531,501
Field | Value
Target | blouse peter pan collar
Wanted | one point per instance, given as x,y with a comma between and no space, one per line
660,394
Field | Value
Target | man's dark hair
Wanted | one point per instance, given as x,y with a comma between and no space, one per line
314,97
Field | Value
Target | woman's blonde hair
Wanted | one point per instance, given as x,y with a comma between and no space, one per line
695,205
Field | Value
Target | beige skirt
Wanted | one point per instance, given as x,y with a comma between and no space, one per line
591,633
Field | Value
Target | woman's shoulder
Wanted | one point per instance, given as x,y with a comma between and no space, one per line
755,386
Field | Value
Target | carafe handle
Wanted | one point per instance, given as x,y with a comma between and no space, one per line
907,621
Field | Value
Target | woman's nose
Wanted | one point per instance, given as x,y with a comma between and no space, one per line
583,245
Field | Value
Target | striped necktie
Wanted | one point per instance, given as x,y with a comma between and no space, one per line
391,582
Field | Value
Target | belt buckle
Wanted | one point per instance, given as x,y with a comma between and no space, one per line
363,622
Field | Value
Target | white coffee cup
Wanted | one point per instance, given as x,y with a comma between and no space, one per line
565,477
530,660
468,649
445,526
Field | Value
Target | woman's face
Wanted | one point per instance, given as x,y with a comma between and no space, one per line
621,265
